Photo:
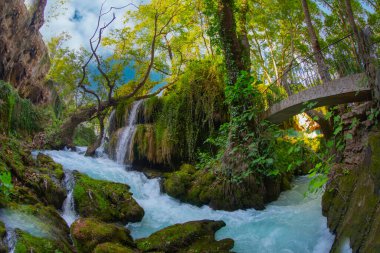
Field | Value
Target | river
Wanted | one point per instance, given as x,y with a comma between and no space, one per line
293,223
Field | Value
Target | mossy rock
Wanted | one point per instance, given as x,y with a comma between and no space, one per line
88,233
178,183
193,236
42,177
110,247
207,244
201,187
47,164
27,243
106,201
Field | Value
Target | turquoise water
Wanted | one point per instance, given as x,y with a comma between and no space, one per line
291,224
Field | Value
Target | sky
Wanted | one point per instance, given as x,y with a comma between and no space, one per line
78,18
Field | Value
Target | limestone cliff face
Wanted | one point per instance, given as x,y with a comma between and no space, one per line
24,59
351,202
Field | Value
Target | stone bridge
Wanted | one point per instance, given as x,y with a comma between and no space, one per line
354,88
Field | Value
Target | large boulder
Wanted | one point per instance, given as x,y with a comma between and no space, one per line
88,233
193,236
46,179
106,201
201,187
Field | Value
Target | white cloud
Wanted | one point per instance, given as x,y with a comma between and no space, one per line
83,28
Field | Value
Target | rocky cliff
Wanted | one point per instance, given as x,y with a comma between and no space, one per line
24,59
351,202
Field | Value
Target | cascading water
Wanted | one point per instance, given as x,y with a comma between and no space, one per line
291,224
68,209
123,150
100,150
11,240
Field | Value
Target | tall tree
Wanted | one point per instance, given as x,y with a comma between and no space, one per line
322,67
232,46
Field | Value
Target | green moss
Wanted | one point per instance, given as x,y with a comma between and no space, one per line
88,233
178,183
27,243
43,176
17,115
48,166
191,235
208,245
107,201
351,201
112,248
201,187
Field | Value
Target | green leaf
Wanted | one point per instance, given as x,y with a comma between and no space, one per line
338,130
348,136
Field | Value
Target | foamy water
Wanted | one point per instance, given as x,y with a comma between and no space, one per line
293,223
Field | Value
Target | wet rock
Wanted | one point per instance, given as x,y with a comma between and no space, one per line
28,243
89,233
106,201
194,236
351,201
200,187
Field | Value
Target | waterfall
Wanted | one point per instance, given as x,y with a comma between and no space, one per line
123,150
100,150
11,240
68,209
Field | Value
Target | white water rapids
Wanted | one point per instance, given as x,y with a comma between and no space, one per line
291,224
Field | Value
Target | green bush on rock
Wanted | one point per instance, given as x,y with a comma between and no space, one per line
106,201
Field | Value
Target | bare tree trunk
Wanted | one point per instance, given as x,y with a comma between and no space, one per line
322,67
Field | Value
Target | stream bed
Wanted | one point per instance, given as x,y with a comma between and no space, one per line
293,223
